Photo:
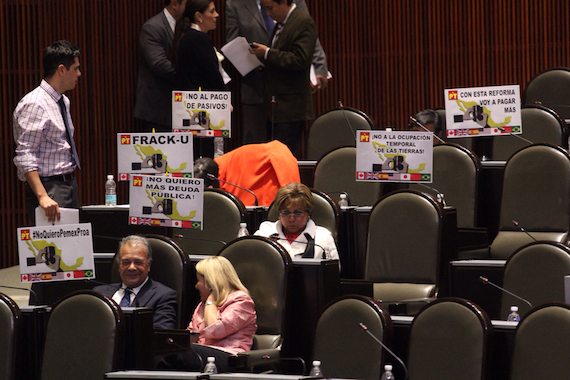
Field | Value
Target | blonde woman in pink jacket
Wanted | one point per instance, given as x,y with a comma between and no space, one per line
225,317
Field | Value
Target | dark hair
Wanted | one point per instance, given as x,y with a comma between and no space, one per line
184,23
429,116
59,53
289,2
204,166
167,2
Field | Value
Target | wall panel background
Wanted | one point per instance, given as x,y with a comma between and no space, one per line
388,58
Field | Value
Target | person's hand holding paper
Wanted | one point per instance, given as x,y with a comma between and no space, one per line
237,51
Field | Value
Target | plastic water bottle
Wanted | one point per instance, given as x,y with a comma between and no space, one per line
211,365
326,252
218,146
387,375
243,230
110,191
316,370
343,202
514,315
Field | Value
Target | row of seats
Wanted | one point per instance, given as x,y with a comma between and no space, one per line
449,339
545,102
536,190
403,268
85,338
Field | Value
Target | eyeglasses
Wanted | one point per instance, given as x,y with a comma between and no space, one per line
127,263
296,214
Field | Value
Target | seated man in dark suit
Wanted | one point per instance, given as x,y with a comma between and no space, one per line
137,288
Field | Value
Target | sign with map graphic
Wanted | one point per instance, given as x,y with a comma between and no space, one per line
155,153
392,156
56,253
483,111
203,113
166,201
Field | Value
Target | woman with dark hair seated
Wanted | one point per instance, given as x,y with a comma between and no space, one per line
295,230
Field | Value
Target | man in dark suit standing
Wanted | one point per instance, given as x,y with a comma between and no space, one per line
287,90
137,288
156,77
245,18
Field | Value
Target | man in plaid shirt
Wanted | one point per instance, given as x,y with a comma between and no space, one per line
46,157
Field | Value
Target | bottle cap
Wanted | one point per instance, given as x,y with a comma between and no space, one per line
342,196
388,367
316,363
514,308
110,176
242,225
211,359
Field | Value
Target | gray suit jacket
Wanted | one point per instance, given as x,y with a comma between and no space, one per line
156,77
153,294
243,19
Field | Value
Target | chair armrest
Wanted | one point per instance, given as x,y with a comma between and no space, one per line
355,286
170,341
249,359
407,307
472,238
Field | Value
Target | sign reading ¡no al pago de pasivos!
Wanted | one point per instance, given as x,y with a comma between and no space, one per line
483,111
203,113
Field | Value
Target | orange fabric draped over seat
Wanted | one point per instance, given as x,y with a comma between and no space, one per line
261,168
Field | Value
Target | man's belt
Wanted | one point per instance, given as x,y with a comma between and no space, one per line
61,177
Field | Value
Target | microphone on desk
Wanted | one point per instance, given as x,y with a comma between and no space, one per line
416,122
26,289
99,282
516,224
485,280
181,236
272,118
365,329
502,129
341,106
440,196
310,243
213,177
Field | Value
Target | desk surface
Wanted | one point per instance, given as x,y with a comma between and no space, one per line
193,375
404,320
479,263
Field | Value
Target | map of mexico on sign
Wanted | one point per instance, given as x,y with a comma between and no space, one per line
391,156
155,153
56,253
166,201
203,113
483,111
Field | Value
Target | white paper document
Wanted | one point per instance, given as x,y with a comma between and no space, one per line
237,51
67,216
